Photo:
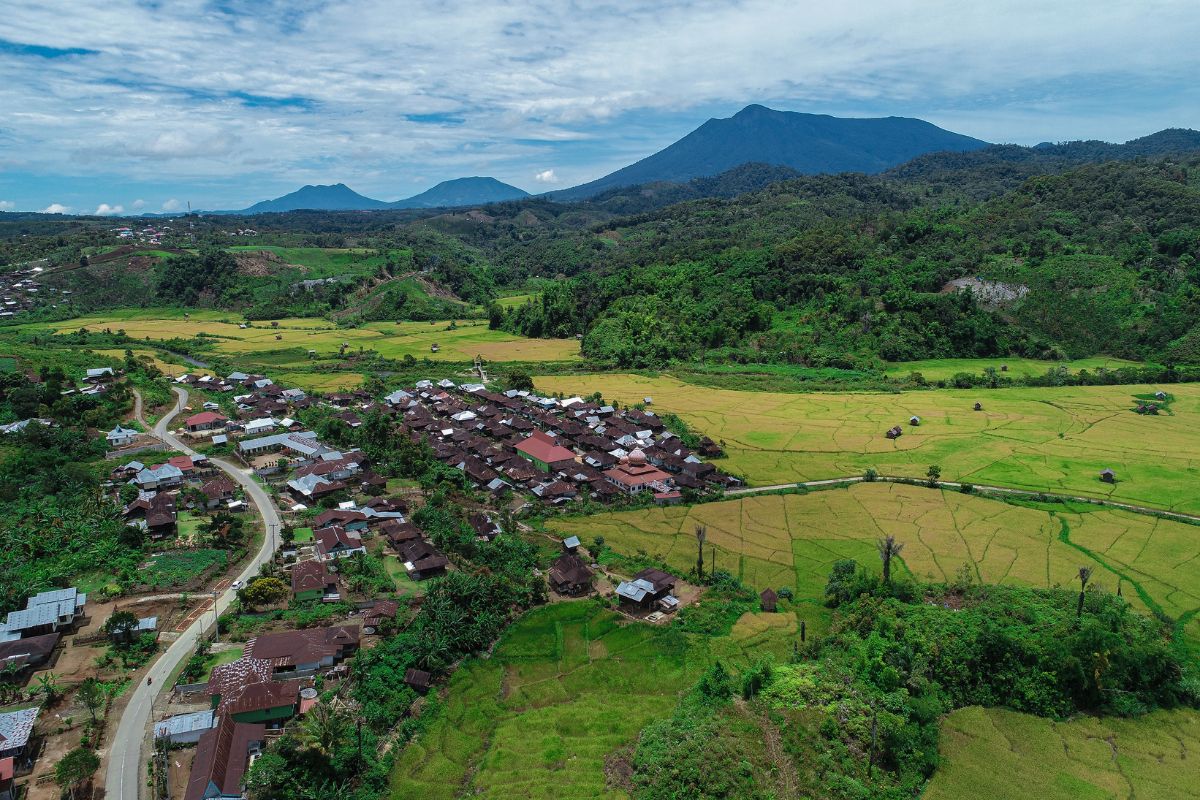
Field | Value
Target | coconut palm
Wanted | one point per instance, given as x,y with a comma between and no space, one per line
323,730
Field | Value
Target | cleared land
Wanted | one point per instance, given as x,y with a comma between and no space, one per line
566,686
299,335
938,369
1044,439
792,540
1002,755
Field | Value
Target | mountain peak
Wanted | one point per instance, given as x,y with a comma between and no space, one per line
807,143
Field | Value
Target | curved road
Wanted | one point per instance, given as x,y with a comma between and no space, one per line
125,777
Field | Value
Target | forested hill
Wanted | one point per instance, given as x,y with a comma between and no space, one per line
838,270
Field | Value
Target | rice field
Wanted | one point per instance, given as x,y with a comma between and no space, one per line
994,754
1043,439
793,540
296,337
940,369
566,686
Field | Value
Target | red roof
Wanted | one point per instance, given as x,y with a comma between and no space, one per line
544,448
204,418
183,462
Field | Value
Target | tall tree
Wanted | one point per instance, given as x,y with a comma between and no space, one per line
323,730
74,770
701,535
888,548
1085,575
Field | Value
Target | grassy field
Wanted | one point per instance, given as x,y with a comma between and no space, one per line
155,358
566,686
937,369
996,754
793,540
1046,439
299,335
514,300
223,657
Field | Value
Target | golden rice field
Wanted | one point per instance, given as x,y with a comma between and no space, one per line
391,340
1045,439
995,754
793,540
155,358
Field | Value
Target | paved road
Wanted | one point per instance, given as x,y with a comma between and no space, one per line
126,773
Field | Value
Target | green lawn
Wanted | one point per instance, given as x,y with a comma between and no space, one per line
189,526
224,657
405,586
177,567
304,535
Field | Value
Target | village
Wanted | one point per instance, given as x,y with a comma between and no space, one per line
350,564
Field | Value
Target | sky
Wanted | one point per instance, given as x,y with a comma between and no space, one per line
128,106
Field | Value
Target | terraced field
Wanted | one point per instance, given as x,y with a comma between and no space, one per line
994,754
298,336
567,685
1044,439
792,540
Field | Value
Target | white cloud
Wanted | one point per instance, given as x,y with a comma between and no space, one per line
56,208
105,210
546,176
172,205
7,205
139,204
348,90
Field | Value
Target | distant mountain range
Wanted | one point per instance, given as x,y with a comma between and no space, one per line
807,143
340,197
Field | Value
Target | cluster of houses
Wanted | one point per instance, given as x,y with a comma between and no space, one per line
154,508
19,291
29,638
251,699
262,408
147,234
555,449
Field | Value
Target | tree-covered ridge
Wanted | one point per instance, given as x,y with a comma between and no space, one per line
832,271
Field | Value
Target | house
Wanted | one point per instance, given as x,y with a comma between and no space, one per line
46,612
1160,396
376,614
570,576
571,544
1108,476
16,727
634,475
418,679
979,406
648,588
160,476
99,375
346,518
914,421
184,728
156,514
768,599
422,560
313,487
312,581
121,436
223,755
336,542
895,432
217,491
304,650
544,451
484,526
257,427
34,652
204,422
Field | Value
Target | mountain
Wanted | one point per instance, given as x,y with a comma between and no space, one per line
338,197
463,192
808,143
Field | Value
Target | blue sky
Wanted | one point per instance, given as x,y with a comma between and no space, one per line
138,105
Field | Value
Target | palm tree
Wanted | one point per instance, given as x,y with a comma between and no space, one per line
701,535
323,729
1085,574
888,548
